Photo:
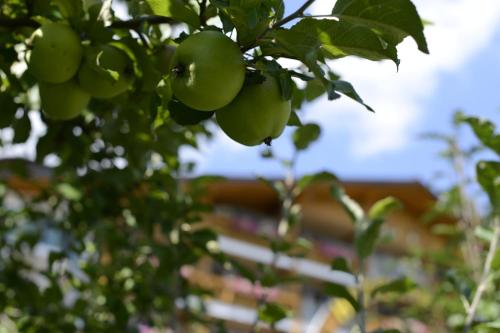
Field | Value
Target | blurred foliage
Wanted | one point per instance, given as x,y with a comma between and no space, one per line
100,242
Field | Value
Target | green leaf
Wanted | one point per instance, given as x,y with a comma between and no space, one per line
176,9
110,74
323,176
495,263
310,38
286,85
483,233
337,290
448,230
22,129
294,120
8,110
305,135
69,8
384,206
400,286
488,176
347,89
250,18
184,115
314,89
271,313
386,330
281,75
484,130
351,207
492,324
340,264
367,238
242,270
277,186
69,192
393,20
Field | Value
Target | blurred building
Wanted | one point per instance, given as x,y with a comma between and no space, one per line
246,215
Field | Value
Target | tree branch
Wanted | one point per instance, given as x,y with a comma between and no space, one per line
128,24
296,14
137,22
471,311
203,8
18,23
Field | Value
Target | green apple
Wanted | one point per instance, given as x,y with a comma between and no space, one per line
100,64
63,101
258,114
208,71
184,115
56,53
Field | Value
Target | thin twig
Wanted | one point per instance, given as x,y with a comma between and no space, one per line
263,299
138,22
471,311
203,7
18,23
143,39
296,14
468,218
286,206
360,279
132,24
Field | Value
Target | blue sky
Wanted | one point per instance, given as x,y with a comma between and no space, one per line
462,71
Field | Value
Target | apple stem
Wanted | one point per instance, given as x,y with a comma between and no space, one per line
268,141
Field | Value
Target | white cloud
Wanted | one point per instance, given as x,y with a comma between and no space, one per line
461,28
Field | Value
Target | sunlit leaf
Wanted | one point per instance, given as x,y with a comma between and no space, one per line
383,207
352,208
393,20
484,129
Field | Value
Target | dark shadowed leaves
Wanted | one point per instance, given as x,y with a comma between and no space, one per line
8,110
400,286
271,313
340,291
294,120
184,115
305,135
340,264
488,175
176,9
22,129
367,238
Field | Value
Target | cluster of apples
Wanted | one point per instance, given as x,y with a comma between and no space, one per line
208,74
68,76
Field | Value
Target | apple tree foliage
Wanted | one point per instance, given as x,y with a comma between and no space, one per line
120,220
